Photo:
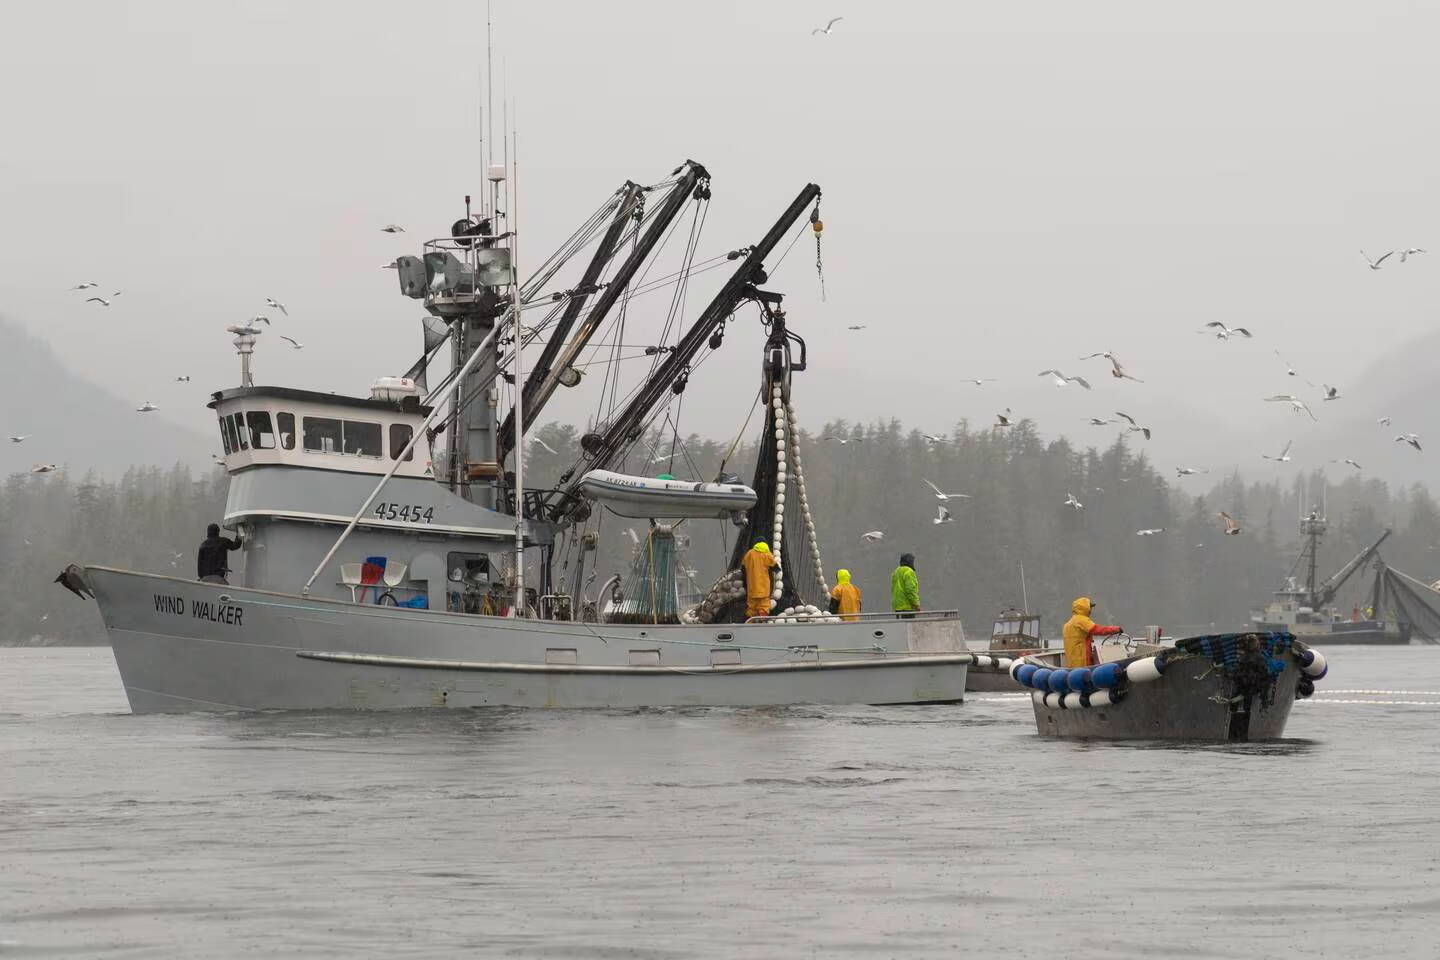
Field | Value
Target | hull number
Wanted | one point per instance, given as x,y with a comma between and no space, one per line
408,512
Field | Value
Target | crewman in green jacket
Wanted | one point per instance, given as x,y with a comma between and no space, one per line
905,588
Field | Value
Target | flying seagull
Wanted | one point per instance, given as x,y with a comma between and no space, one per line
1349,461
20,438
942,516
274,304
146,407
1375,264
258,319
392,228
1063,381
85,286
1331,393
1289,370
1188,471
1098,422
857,326
1134,427
931,439
634,537
841,440
543,445
1149,532
943,497
977,380
185,379
1231,527
1296,404
1284,454
100,300
874,536
1118,371
662,457
828,27
1410,438
1223,332
1070,501
44,468
1405,254
1383,421
293,342
1003,419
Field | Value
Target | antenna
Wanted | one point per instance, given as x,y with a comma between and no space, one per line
1024,597
489,80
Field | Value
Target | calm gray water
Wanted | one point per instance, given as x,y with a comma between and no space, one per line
856,832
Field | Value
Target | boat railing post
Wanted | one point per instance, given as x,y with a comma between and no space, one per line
414,439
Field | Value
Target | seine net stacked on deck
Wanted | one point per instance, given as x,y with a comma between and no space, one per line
781,518
651,591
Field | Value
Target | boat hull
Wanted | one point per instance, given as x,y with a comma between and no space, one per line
994,678
1190,702
181,645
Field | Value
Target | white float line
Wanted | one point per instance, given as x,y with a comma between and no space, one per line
1398,703
1390,693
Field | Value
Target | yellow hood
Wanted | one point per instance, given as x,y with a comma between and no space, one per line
1081,607
842,576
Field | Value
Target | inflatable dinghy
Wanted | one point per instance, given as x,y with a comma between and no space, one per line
651,497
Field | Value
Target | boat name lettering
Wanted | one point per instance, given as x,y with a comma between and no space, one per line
164,604
408,512
216,612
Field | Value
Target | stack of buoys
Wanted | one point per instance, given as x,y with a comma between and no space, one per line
806,613
1086,686
985,661
730,586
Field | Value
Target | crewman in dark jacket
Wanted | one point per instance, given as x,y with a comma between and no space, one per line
210,561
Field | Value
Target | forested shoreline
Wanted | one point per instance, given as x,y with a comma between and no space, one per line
1187,577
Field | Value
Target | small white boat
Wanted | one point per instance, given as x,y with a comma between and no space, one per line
653,497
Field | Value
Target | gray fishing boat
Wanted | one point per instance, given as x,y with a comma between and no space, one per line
1013,635
391,555
1237,686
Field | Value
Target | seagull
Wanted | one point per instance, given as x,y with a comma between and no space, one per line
20,438
1098,422
1331,393
1289,370
1284,454
1149,532
392,265
661,457
828,27
258,319
874,536
1375,264
85,286
842,440
1405,254
543,445
274,304
44,468
931,439
392,228
1070,501
175,555
1349,461
246,330
1003,419
1295,402
977,380
1231,527
1223,332
1063,381
1410,438
293,342
185,379
858,326
1119,371
943,516
1134,427
1383,421
146,407
1188,471
100,300
217,458
944,497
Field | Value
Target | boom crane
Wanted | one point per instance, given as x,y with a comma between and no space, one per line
603,448
1325,592
555,360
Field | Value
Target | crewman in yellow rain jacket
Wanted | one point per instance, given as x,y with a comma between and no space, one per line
1079,651
846,596
757,564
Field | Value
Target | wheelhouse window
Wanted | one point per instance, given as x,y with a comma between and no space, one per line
227,439
362,439
286,423
262,437
322,434
400,434
237,421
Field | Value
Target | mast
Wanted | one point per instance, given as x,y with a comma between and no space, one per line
520,607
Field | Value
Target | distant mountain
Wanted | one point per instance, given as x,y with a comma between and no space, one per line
76,424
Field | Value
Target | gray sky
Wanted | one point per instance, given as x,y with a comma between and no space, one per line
1007,186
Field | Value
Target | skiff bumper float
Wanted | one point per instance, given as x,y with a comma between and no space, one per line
1236,686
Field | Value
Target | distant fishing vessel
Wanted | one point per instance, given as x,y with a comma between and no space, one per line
393,556
1237,686
1309,613
1013,635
